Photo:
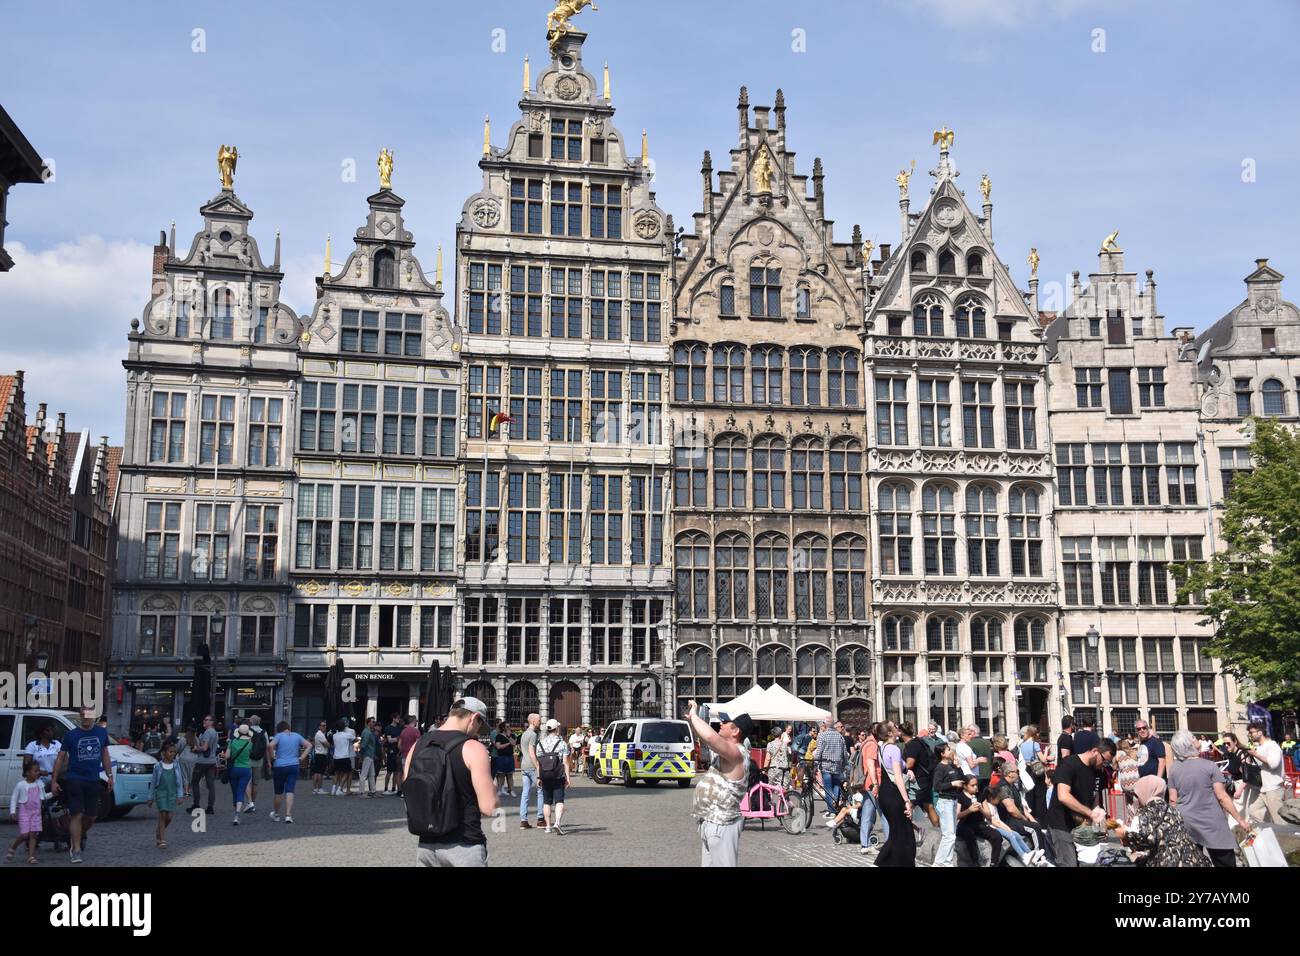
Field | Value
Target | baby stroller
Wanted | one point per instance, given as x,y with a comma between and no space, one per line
56,825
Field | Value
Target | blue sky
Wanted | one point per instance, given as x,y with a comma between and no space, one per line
1148,137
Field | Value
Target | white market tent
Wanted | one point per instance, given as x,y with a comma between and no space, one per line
771,703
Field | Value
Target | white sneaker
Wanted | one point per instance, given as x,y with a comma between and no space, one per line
275,816
547,830
831,823
288,819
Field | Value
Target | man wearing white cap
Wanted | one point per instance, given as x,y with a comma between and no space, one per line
553,775
467,762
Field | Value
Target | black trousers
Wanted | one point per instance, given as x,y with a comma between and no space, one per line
201,772
900,848
1223,858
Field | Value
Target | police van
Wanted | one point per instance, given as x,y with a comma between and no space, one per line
648,749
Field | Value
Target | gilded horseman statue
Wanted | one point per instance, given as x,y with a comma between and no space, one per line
557,21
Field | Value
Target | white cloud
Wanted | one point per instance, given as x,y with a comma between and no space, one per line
64,316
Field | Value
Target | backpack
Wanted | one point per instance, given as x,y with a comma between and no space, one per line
259,746
550,765
433,804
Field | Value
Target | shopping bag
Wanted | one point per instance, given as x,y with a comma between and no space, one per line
1262,849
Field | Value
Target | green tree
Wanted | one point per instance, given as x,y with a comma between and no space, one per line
1252,586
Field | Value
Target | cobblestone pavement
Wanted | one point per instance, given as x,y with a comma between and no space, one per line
642,826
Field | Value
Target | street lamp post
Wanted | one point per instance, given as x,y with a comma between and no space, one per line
1095,674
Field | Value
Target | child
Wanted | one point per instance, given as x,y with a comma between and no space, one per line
166,788
25,804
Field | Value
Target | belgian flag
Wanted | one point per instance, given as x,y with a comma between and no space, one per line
499,419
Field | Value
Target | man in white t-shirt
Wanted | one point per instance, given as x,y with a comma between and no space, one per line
966,760
320,758
343,739
1267,754
576,740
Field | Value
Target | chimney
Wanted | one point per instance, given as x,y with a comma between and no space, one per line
160,255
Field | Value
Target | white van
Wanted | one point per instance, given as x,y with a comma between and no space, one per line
649,749
132,769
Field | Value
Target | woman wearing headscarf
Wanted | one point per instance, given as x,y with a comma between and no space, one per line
1196,788
1156,836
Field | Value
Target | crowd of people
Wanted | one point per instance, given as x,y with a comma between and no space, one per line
1048,803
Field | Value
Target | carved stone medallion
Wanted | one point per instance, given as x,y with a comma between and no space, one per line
647,225
486,213
566,88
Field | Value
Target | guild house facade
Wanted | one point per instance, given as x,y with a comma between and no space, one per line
624,466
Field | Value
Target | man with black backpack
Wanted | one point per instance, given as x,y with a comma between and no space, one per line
448,789
553,775
257,758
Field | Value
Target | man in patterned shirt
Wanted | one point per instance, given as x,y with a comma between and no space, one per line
831,752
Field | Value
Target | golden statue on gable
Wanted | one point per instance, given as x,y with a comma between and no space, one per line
227,158
986,186
385,163
903,178
943,137
557,21
1108,244
763,171
1033,260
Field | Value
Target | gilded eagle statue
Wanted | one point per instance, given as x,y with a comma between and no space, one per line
943,137
557,21
227,158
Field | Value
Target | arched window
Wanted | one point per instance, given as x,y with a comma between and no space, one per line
853,664
771,577
765,375
765,288
810,577
971,319
812,667
385,270
606,703
947,263
986,635
1031,648
728,373
1274,398
1025,534
735,671
729,472
484,691
807,461
894,516
223,315
775,666
900,633
927,316
974,264
692,560
918,263
938,529
802,302
941,633
689,363
842,378
694,676
849,564
769,473
846,475
727,299
806,377
982,530
521,700
731,575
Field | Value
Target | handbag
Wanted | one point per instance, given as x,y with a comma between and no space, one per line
1252,774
